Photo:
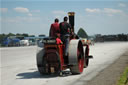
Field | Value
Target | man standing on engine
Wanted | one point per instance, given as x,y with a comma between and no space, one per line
54,29
65,30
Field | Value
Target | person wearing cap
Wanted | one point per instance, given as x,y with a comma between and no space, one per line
54,29
65,30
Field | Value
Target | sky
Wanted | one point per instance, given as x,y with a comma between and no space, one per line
35,16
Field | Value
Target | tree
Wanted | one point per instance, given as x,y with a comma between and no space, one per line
10,34
31,35
41,35
81,33
25,35
18,34
2,36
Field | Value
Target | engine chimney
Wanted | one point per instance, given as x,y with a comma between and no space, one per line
71,19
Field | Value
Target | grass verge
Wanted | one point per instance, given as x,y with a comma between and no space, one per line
124,78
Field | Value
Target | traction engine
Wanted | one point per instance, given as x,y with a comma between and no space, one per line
51,59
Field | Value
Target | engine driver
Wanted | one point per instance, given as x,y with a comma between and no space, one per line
65,30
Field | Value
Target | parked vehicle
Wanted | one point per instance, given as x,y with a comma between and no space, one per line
11,41
24,43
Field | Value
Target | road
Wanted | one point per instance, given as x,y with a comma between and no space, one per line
18,65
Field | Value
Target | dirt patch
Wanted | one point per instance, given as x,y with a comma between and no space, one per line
111,74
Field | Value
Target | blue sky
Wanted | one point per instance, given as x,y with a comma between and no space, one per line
36,16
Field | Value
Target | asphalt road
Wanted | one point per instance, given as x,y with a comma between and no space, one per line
18,65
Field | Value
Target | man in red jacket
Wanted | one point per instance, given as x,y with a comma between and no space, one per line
54,29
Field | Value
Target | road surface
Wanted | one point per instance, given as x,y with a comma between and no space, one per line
18,65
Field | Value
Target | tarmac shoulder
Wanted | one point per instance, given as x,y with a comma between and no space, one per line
111,74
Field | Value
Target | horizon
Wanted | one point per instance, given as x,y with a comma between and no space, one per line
29,35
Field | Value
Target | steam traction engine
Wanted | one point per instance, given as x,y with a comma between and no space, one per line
51,59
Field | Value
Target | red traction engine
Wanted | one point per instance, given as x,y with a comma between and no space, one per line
51,59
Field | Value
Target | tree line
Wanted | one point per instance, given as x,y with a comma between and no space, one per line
117,37
102,38
81,33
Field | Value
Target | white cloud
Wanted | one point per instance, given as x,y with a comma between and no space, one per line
23,10
95,10
111,11
59,12
122,5
3,10
107,11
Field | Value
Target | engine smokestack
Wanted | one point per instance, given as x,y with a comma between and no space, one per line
71,19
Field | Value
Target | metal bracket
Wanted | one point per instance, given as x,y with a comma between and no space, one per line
90,56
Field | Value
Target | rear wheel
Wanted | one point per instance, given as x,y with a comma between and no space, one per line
42,69
53,62
49,63
41,61
86,54
78,67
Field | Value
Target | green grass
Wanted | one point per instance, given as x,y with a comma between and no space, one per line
124,78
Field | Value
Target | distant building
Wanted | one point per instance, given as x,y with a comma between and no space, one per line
99,38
